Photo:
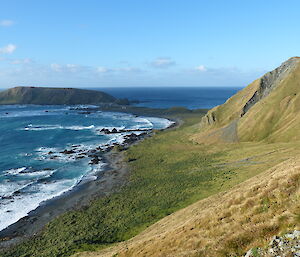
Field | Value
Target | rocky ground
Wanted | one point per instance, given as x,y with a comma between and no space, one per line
287,245
75,152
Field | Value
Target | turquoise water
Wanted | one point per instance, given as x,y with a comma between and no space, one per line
32,165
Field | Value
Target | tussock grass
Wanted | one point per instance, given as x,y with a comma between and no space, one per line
226,224
169,173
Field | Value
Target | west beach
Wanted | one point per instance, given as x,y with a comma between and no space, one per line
110,178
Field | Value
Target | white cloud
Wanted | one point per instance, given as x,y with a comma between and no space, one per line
69,68
201,68
6,23
9,49
72,67
64,75
162,62
56,67
21,61
103,69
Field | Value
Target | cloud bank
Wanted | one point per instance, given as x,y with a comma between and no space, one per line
28,72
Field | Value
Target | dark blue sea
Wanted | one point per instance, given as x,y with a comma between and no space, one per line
33,165
189,97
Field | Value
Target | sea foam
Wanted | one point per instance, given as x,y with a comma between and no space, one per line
51,172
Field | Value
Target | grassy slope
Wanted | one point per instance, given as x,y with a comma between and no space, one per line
175,172
211,126
170,173
219,225
269,135
226,224
275,118
231,110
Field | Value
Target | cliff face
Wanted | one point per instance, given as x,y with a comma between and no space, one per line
270,81
54,96
267,109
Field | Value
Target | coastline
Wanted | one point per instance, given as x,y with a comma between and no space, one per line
110,179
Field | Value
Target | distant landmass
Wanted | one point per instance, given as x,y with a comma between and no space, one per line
56,96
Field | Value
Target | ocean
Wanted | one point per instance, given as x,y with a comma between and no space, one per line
189,97
42,146
33,165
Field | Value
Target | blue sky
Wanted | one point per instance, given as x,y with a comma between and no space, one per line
103,43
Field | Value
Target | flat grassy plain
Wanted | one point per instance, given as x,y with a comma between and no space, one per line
168,172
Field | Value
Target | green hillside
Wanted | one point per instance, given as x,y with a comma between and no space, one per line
53,96
267,109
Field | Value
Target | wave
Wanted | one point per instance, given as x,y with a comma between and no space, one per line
25,177
31,127
23,112
15,171
49,127
58,154
15,208
23,189
8,188
160,123
82,106
116,138
138,123
17,203
80,127
41,127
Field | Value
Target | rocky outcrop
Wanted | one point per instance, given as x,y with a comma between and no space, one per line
284,246
94,155
210,118
116,131
269,82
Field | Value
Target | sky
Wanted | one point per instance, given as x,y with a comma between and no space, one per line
128,43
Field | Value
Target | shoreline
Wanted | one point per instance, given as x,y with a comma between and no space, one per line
109,180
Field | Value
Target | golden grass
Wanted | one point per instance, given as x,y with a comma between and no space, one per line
275,118
226,224
249,213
